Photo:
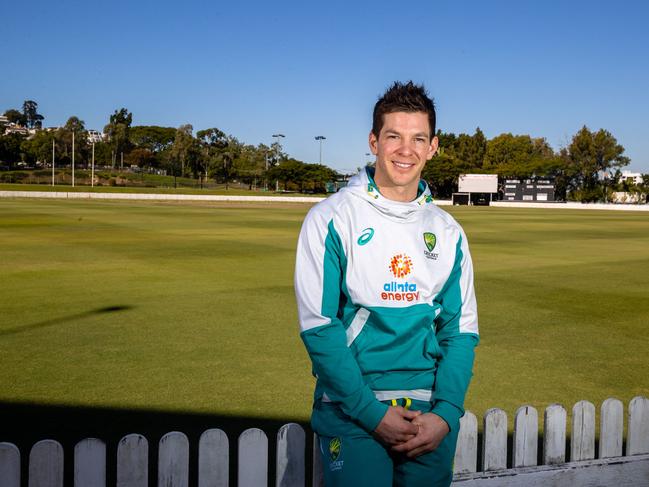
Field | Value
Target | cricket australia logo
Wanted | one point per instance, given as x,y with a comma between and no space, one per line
430,240
335,446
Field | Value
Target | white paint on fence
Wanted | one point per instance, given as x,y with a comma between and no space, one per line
494,440
46,457
133,461
213,459
173,460
90,463
582,440
9,465
46,464
317,477
526,437
466,453
638,429
611,428
290,456
253,458
554,435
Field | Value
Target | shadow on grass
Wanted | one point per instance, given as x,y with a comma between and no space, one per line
63,319
24,424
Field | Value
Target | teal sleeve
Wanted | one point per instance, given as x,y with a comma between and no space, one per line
456,328
338,374
333,363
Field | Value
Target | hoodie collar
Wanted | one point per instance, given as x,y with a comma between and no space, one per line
363,185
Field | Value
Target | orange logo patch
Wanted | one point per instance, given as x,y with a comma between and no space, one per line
400,265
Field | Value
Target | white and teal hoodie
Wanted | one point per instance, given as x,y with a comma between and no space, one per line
386,302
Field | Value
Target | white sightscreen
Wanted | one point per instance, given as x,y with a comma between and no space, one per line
478,183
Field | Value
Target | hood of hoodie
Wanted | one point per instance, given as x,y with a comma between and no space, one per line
363,186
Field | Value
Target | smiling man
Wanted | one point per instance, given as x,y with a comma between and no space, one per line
384,285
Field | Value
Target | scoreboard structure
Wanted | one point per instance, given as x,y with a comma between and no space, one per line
536,189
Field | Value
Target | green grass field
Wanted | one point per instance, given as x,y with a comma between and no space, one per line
190,307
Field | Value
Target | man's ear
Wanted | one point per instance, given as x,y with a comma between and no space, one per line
373,142
434,145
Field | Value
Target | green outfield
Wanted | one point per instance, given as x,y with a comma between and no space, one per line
190,307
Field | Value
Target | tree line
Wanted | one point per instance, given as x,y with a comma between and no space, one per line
209,154
588,169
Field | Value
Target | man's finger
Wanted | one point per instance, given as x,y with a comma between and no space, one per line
419,451
408,414
409,445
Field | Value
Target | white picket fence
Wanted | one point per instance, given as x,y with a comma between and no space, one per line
609,467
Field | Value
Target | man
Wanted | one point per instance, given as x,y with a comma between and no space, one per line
384,285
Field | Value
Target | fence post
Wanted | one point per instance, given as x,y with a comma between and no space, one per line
173,460
466,453
9,465
318,476
611,428
290,456
46,464
638,439
90,463
494,441
213,458
582,440
526,437
133,461
253,458
554,435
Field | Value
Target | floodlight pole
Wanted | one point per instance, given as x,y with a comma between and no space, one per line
92,176
73,158
53,142
277,136
320,138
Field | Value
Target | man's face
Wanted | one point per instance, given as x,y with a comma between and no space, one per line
402,148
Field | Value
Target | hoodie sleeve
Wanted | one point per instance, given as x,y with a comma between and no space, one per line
319,288
457,334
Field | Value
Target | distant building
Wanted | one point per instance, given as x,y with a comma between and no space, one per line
94,136
631,177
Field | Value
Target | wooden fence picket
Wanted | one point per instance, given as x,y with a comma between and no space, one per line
466,453
290,456
90,463
9,465
46,464
494,440
317,478
611,428
638,428
213,459
173,460
582,439
253,458
133,461
554,434
526,437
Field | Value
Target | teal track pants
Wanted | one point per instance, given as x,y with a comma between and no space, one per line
352,457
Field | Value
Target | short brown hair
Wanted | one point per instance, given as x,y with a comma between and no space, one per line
403,97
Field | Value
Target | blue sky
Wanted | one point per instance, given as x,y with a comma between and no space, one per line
304,68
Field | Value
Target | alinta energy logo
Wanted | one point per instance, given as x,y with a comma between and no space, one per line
400,267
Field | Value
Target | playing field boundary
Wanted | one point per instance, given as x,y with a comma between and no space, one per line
291,199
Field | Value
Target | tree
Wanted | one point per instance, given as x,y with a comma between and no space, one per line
38,148
10,150
30,112
290,170
14,116
185,151
151,137
588,156
118,132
